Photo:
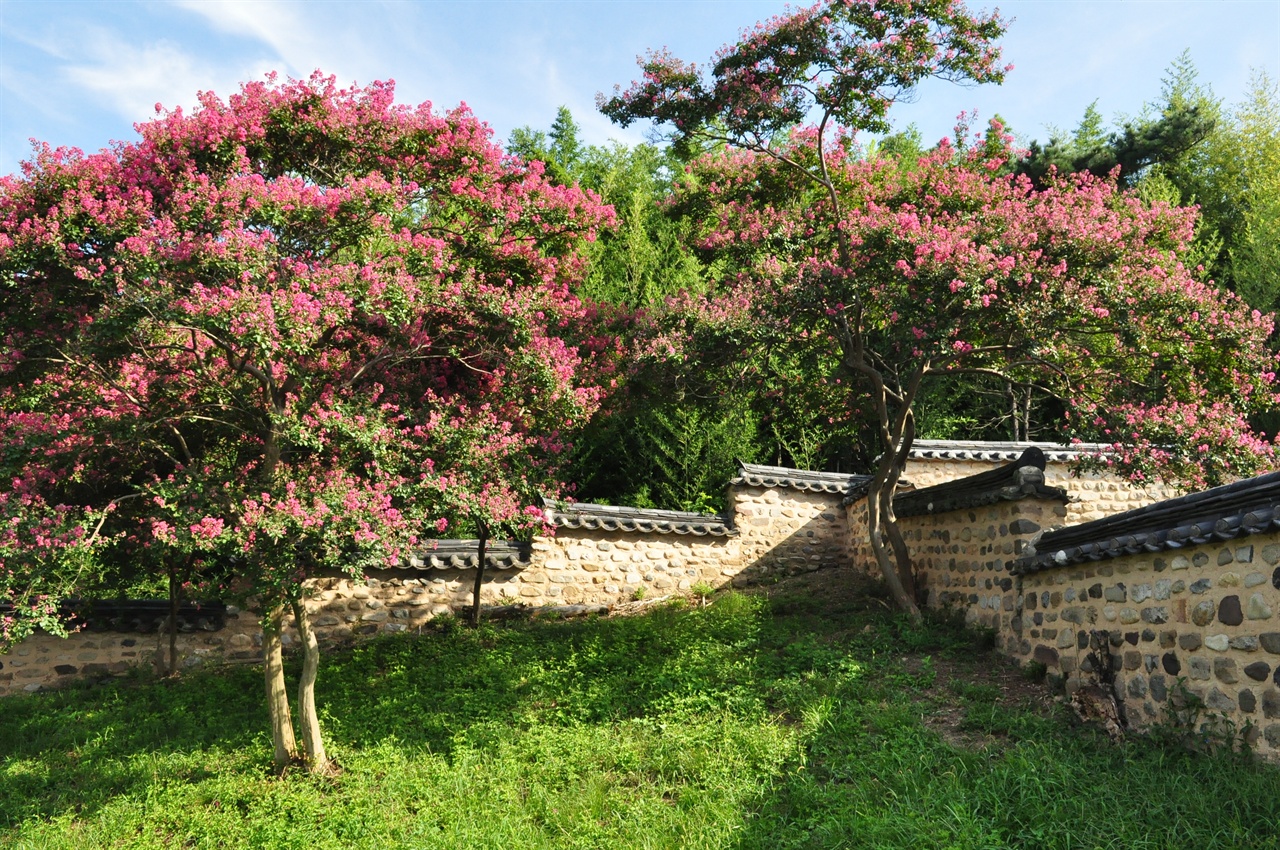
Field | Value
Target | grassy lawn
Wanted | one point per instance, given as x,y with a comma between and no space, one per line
807,717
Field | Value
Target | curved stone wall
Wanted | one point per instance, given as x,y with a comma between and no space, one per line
599,557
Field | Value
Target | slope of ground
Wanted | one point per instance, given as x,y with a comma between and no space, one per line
804,714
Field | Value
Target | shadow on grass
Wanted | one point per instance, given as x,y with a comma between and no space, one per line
73,751
781,724
891,784
881,777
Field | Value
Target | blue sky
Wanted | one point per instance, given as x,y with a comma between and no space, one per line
81,72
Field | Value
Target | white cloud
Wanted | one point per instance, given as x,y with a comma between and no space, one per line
337,39
118,72
274,24
132,79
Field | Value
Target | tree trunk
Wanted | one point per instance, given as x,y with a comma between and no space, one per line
1026,415
897,431
888,519
482,530
888,569
286,747
901,554
312,740
173,620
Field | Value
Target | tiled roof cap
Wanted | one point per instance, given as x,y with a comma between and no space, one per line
616,518
1245,507
995,451
136,615
465,555
1021,479
858,491
758,475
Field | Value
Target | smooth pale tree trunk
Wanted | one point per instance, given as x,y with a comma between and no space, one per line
282,739
876,533
887,543
482,530
312,740
173,620
896,434
889,520
901,554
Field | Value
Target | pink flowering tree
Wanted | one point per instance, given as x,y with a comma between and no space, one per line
290,333
945,268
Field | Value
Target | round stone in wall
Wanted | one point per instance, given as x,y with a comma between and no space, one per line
1257,608
1229,613
1218,643
1202,614
1258,671
1225,670
1218,701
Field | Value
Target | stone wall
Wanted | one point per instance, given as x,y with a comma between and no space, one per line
1204,614
44,661
1203,617
604,568
1092,495
963,535
1169,606
771,531
786,531
962,557
387,601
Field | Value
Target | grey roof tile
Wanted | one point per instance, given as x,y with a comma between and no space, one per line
1021,479
758,475
465,554
616,518
136,615
1244,507
994,451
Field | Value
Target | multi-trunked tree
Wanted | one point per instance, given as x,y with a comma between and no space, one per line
289,332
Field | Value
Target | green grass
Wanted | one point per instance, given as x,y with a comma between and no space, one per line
792,722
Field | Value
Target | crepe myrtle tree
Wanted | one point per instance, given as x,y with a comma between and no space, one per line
946,268
287,333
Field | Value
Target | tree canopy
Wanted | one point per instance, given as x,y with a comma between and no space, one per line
1191,148
947,267
297,330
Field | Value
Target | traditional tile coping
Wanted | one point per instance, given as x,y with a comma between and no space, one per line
1021,479
465,554
997,451
591,517
758,475
1244,507
137,616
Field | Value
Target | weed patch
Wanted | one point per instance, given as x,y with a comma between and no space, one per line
806,716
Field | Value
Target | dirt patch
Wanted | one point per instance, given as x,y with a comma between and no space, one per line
959,681
825,589
994,679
